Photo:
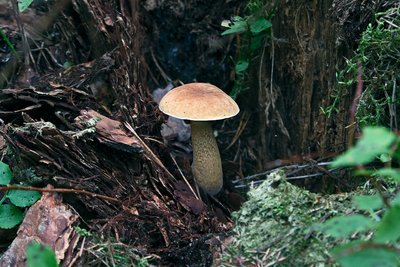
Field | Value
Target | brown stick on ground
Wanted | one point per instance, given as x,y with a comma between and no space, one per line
59,190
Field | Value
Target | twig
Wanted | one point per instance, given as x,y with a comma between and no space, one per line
162,72
183,176
59,190
149,153
354,105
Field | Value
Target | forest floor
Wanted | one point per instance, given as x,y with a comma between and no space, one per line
80,124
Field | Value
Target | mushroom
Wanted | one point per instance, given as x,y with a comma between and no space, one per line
201,103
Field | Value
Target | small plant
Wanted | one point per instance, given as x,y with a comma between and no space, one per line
39,255
22,6
272,226
253,29
7,41
105,250
379,55
379,218
11,214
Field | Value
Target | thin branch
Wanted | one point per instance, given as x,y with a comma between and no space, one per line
59,190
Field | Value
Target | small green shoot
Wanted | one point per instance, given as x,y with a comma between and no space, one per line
8,42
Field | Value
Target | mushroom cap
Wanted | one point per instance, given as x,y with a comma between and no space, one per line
198,102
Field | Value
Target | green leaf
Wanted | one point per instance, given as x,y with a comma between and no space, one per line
259,25
67,64
396,200
368,203
23,198
241,66
238,25
388,229
369,258
389,172
24,4
374,142
256,42
10,216
5,174
8,42
343,226
385,157
39,255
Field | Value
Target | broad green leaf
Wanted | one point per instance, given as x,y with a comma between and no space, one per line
39,255
374,142
389,172
238,25
369,258
259,25
388,229
343,226
24,4
363,172
368,203
10,216
5,174
396,200
23,198
241,66
256,42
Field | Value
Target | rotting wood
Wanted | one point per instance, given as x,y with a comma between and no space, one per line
48,143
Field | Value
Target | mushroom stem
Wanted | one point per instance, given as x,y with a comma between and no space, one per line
206,166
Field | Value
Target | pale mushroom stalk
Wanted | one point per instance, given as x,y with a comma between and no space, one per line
206,166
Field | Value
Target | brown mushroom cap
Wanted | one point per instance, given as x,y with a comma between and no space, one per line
198,102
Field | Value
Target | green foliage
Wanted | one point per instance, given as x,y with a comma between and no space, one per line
379,54
388,229
23,198
254,30
10,214
39,255
272,227
5,174
344,226
380,247
368,203
24,4
7,41
375,142
365,257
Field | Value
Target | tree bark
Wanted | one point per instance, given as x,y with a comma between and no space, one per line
298,79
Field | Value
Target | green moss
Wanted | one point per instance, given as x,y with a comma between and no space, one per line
274,225
378,54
